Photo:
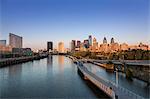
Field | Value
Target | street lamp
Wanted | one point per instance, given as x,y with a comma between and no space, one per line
117,77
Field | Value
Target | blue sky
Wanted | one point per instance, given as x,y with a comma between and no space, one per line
39,21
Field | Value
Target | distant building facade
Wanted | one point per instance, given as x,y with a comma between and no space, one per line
78,44
49,46
90,40
112,41
15,41
104,40
95,45
73,45
124,46
3,42
5,49
22,51
61,47
105,46
86,43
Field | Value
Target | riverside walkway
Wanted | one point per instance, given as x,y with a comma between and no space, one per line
111,89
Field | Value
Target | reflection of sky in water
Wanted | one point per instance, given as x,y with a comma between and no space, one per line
136,86
53,77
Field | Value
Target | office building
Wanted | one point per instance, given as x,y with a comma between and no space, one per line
49,46
4,49
61,47
3,42
22,51
90,40
104,40
73,45
86,43
112,41
15,41
78,44
95,45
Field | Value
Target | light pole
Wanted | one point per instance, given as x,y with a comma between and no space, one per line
116,77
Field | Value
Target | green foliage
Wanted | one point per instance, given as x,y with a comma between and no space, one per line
129,73
124,55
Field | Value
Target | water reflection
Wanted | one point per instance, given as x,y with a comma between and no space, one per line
50,60
15,71
38,79
61,62
136,86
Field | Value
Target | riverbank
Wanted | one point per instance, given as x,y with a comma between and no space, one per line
12,61
139,70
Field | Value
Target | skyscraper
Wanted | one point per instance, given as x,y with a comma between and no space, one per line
104,40
15,41
61,47
95,45
73,45
90,40
112,40
78,44
49,46
86,43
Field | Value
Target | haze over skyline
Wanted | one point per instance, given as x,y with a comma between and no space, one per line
39,21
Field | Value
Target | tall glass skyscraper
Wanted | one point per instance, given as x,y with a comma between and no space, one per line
90,40
15,41
49,46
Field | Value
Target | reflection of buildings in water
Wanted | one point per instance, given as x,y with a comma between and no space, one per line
15,70
61,62
50,61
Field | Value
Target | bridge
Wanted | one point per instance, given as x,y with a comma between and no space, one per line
111,89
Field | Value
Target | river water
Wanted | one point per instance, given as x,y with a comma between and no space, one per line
52,77
136,86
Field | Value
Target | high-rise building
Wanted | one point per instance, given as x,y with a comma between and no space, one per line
73,45
90,40
3,42
61,47
15,41
95,45
49,46
86,43
112,40
104,40
78,44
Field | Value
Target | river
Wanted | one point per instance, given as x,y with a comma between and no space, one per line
52,77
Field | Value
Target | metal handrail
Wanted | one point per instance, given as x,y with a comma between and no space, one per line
126,91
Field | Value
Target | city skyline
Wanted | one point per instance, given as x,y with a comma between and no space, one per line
41,21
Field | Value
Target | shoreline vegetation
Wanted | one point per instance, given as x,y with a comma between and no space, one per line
120,55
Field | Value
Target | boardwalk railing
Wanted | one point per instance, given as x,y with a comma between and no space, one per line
118,90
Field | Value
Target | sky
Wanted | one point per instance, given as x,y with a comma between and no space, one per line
39,21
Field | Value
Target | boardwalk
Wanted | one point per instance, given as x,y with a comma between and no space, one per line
110,88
